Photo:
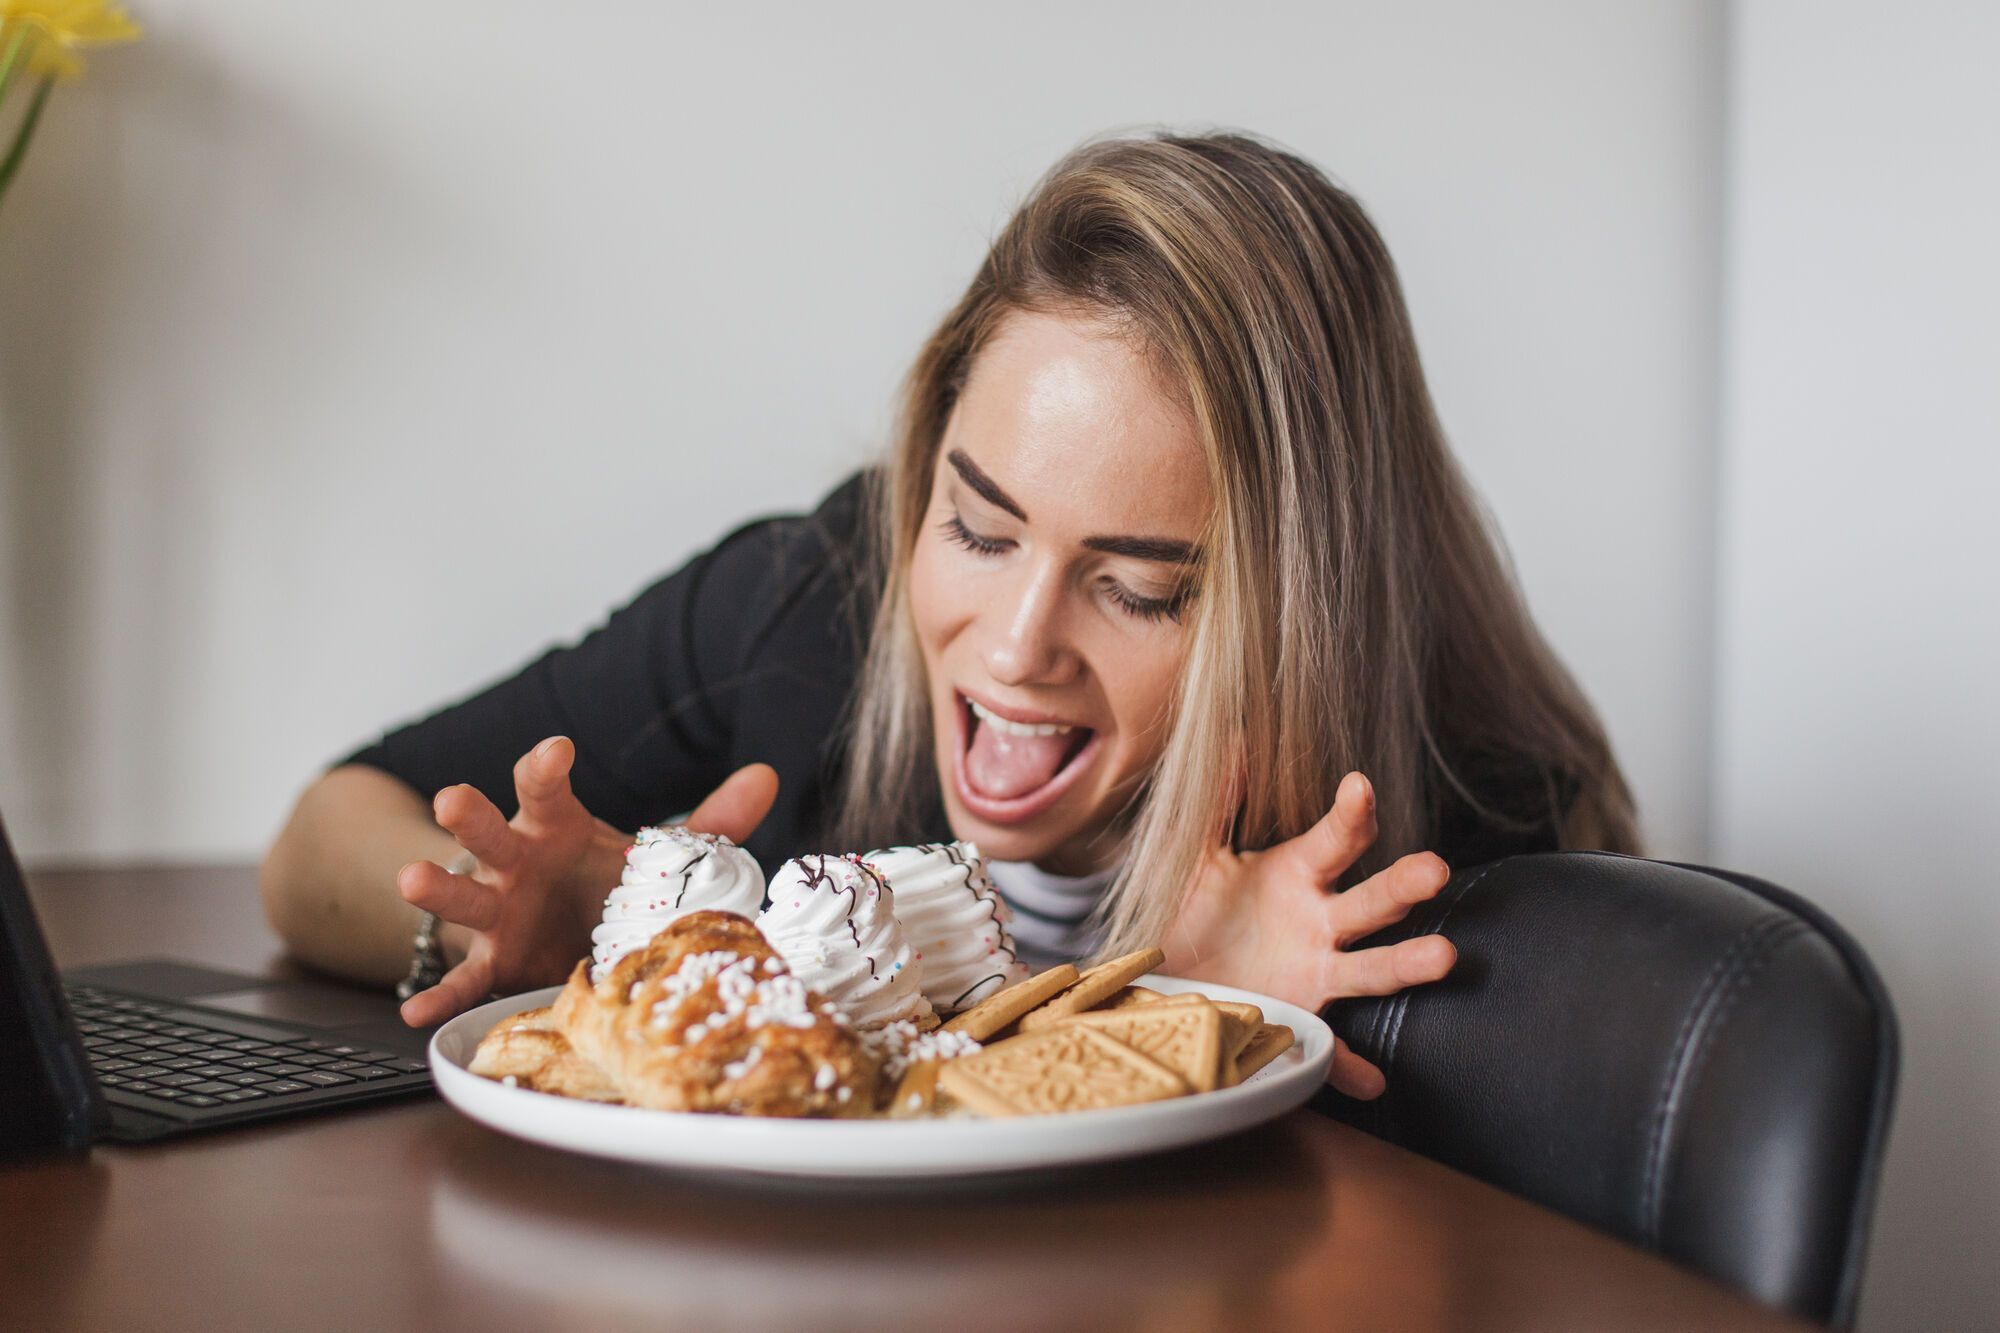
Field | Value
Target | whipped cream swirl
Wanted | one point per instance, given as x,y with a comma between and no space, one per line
955,920
834,920
669,872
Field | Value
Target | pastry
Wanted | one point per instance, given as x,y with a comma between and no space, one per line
669,872
707,1017
833,918
954,920
540,1059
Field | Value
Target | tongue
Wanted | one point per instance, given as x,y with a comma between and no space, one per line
1005,767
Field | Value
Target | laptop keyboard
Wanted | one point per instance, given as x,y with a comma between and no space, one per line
174,1061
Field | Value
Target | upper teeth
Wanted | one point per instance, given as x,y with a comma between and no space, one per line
1006,728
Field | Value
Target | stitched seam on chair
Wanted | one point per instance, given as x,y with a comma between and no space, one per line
1699,1006
1752,950
1402,1003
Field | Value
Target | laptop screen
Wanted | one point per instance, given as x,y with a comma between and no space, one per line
49,1099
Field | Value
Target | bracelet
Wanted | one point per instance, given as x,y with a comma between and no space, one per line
427,953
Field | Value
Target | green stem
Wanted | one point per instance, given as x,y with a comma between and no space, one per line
15,50
12,162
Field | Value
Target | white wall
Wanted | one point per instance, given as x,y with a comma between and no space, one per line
1858,726
349,356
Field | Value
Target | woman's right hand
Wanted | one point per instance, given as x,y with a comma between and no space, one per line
538,880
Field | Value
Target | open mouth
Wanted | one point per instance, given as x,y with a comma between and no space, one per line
1012,767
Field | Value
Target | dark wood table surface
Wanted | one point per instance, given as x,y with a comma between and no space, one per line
412,1216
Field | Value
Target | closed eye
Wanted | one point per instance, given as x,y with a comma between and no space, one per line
955,530
1149,608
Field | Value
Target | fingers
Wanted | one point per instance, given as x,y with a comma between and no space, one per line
1331,846
462,987
465,813
541,780
1387,896
739,805
1353,1075
456,898
1390,968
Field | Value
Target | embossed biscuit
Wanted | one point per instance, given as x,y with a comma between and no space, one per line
1186,1038
1074,1067
996,1011
1099,983
1131,996
1272,1040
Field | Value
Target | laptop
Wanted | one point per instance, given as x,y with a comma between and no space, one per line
150,1049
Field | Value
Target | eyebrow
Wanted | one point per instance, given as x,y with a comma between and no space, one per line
1163,549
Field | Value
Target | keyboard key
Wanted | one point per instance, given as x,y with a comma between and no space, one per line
197,1100
185,1047
211,1087
119,1048
250,1061
183,1031
243,1044
284,1071
177,1080
368,1073
165,1094
178,1062
112,1080
312,1058
247,1080
270,1051
152,1040
241,1095
321,1078
347,1067
308,1044
344,1050
214,1071
409,1066
111,1066
284,1085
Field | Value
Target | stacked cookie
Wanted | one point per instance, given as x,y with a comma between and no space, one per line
1069,1041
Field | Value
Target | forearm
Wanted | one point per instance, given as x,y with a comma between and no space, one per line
329,881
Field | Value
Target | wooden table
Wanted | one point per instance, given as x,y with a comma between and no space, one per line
414,1217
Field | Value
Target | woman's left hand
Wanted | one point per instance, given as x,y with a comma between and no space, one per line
1269,921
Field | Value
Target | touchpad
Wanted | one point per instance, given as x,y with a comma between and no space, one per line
303,1002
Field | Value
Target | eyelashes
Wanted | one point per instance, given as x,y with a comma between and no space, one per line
1142,608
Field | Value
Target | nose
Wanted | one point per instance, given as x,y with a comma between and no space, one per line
1029,646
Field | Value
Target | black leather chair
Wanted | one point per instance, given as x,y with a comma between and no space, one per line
1696,1061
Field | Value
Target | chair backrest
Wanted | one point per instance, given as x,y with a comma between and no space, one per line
1693,1060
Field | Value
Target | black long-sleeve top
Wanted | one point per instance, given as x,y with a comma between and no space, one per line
748,653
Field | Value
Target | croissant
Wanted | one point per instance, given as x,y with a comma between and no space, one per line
707,1017
529,1051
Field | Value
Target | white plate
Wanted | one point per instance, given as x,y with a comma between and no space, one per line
880,1149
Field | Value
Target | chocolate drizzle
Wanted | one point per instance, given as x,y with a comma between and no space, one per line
818,877
687,873
959,1002
987,896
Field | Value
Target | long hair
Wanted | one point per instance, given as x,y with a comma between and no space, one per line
1355,610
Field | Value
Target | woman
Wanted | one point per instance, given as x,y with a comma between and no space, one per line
1169,547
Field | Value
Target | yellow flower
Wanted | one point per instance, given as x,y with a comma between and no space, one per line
59,28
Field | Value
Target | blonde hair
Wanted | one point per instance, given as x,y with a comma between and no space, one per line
1355,609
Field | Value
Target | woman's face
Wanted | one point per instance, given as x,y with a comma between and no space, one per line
1049,586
